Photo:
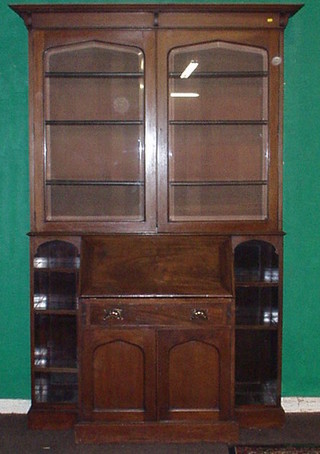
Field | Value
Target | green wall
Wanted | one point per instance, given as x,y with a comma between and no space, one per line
301,352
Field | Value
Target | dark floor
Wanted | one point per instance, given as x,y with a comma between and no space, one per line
15,438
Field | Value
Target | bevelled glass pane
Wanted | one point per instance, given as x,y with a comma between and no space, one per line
257,306
256,261
200,153
221,57
218,114
113,202
56,388
217,99
216,202
92,99
55,278
55,341
116,155
256,367
94,108
94,56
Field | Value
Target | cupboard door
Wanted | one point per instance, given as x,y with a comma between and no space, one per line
217,162
118,375
98,144
194,374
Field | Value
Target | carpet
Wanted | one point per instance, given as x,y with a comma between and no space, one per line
274,449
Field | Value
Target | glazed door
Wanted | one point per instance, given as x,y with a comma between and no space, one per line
218,116
118,374
195,379
95,136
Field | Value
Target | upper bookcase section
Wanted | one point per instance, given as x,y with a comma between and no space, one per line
158,16
156,118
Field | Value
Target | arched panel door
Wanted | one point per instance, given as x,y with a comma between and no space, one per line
195,374
118,374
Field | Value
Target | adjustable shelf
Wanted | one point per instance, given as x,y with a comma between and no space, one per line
94,75
93,183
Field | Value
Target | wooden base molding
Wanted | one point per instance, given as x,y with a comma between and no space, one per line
51,420
260,417
166,432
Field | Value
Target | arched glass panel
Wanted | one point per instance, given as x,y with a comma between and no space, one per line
94,125
218,114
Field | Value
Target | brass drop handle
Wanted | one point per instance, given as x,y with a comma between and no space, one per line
112,314
199,314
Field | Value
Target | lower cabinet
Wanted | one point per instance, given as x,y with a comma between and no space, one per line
163,378
150,339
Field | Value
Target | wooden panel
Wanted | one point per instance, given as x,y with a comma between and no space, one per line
118,375
112,362
260,417
154,265
166,432
255,16
194,374
53,419
181,312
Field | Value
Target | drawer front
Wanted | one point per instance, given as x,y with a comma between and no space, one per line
180,312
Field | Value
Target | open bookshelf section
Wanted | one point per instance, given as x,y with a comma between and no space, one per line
257,320
56,266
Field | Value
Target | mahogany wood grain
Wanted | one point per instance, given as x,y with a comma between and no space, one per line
166,432
155,265
159,312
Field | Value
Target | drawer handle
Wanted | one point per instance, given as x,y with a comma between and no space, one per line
199,314
112,314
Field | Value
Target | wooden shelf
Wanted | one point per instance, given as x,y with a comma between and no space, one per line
92,183
95,75
219,183
93,122
217,122
217,75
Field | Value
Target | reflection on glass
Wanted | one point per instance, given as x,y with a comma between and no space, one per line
218,113
56,388
256,367
56,267
189,69
94,126
256,261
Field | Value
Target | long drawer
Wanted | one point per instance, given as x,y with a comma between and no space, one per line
158,312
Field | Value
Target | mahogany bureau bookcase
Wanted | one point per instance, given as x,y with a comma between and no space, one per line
156,227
